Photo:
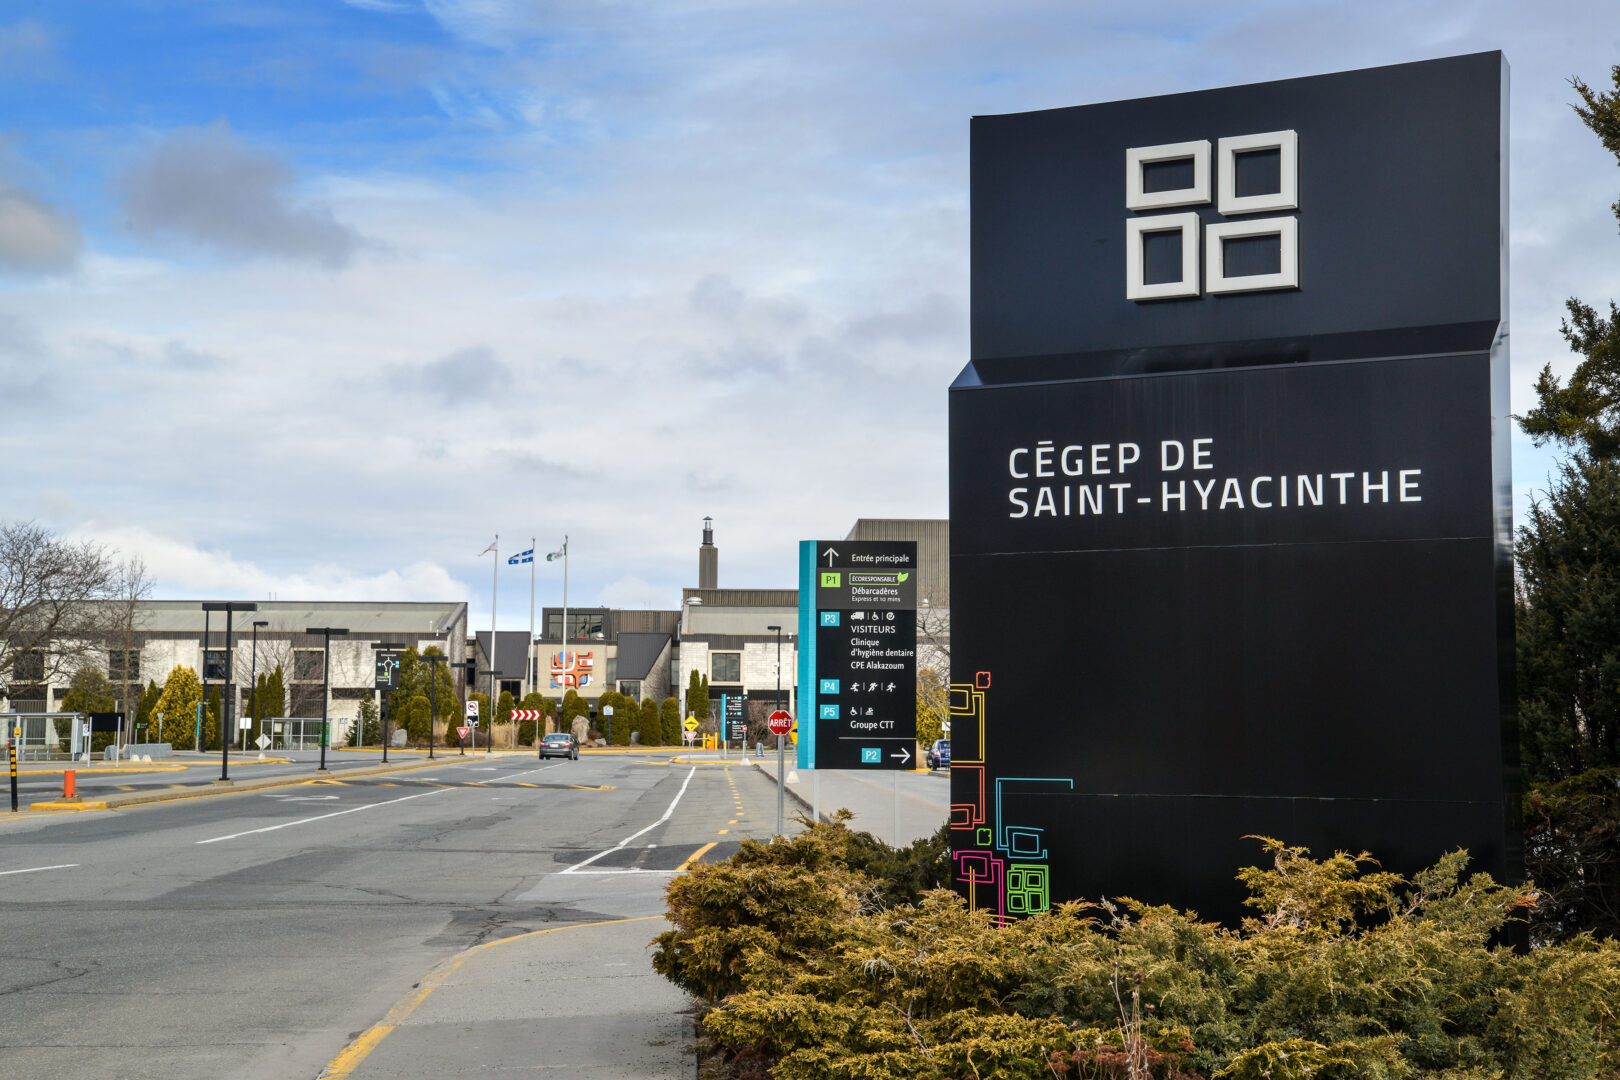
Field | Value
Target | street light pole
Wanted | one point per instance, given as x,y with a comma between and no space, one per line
489,730
434,661
391,650
227,712
253,680
327,632
208,614
781,740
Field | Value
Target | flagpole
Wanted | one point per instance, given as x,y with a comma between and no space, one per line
531,683
565,622
494,593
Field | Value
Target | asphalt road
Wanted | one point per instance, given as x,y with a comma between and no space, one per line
40,781
254,934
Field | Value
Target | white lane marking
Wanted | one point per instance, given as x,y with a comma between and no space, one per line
578,867
37,869
323,817
513,776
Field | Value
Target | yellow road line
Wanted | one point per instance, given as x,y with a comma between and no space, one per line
724,831
356,1052
696,855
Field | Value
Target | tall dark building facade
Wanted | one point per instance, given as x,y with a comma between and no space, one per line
1230,496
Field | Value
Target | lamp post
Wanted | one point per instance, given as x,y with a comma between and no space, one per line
781,740
326,632
227,710
208,614
253,679
387,682
433,661
489,734
469,670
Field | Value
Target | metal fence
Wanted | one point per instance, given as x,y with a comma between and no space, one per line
58,736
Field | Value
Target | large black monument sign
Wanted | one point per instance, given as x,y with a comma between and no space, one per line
1230,499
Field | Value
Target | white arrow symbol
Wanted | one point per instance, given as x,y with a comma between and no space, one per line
904,755
828,555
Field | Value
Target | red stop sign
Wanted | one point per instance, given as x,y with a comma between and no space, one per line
780,722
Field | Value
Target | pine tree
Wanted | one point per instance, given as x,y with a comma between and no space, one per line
177,711
503,714
368,724
652,726
1568,632
1585,414
669,717
88,691
144,708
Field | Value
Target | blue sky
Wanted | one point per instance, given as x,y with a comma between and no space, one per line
309,298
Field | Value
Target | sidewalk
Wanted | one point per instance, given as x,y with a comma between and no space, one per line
576,1001
921,800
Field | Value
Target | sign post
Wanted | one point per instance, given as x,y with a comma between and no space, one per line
387,682
472,724
780,724
858,657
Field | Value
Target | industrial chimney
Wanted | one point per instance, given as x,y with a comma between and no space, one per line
708,558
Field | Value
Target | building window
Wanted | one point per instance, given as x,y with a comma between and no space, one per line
29,667
581,624
214,665
352,693
306,702
124,665
631,688
307,665
725,667
28,699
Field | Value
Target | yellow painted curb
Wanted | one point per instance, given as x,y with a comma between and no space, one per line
357,1051
67,806
130,771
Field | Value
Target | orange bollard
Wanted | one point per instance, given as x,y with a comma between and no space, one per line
69,784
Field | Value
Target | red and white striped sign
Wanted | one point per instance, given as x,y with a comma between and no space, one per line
521,715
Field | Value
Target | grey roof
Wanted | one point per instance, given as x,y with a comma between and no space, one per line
361,617
511,652
639,652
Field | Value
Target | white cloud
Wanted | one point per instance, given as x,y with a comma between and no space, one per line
202,183
35,237
631,592
181,569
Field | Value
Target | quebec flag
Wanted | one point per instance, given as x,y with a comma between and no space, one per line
521,557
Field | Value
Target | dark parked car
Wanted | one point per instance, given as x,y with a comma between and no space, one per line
559,744
939,755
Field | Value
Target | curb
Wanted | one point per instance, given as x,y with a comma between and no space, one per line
794,795
229,787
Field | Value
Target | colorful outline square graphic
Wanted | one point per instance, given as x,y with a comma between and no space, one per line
828,686
831,579
829,618
871,755
829,712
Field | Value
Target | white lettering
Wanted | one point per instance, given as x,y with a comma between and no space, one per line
1044,501
1099,454
1012,463
1254,492
1092,495
1341,477
1164,455
1136,454
1368,487
1201,454
1119,493
1232,492
1015,496
1043,458
1410,485
1180,496
1306,490
1204,492
1079,467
